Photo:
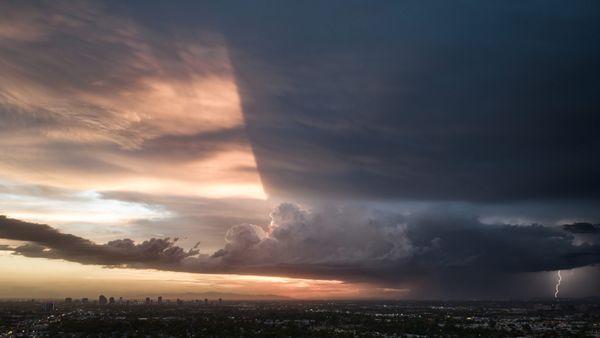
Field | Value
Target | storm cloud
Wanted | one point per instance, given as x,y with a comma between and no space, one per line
345,243
46,242
583,228
450,101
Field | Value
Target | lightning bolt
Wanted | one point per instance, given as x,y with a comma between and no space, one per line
557,287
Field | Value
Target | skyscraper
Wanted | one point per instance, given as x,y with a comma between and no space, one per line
49,306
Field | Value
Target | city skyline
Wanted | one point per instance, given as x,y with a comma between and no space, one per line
408,319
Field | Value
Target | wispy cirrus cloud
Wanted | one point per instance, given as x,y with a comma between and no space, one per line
90,100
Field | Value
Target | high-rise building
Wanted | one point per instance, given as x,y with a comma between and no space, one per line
49,306
102,300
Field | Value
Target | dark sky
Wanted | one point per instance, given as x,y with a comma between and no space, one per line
436,101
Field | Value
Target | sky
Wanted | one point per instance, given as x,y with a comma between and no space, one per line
310,150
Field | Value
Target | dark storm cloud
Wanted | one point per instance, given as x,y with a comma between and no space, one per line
582,228
584,232
351,244
45,241
363,244
462,100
